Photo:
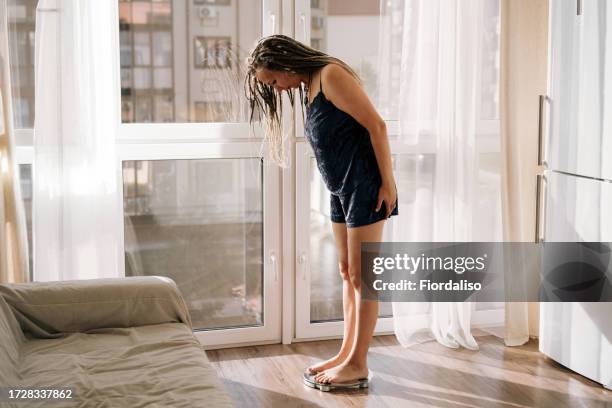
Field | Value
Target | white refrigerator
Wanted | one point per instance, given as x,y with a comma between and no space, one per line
575,190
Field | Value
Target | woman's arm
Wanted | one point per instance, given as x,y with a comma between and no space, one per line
343,90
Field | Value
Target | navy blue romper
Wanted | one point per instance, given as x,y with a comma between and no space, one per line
347,162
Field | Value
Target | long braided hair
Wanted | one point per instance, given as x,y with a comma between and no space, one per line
284,54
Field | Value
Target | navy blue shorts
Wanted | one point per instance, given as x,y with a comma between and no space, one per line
358,207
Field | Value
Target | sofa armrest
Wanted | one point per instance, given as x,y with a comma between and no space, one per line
48,309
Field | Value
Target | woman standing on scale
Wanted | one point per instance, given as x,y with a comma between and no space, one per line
349,140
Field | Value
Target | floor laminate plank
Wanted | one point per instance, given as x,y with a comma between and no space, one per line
424,375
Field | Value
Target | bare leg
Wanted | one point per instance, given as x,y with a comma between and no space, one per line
348,301
356,366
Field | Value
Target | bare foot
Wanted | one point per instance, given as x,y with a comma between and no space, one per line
343,373
327,364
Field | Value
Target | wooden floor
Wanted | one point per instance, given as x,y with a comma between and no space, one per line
425,375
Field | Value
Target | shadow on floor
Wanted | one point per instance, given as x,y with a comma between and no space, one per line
490,391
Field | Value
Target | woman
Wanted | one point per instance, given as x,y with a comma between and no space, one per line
350,143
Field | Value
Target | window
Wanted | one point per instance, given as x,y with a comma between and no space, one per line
182,61
335,26
199,222
199,205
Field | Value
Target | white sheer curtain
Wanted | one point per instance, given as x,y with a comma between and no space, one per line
444,63
75,204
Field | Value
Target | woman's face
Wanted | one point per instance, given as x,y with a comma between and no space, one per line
281,81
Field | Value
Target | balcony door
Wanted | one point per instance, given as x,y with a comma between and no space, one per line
331,26
199,199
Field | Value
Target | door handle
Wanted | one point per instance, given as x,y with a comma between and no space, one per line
273,262
541,186
541,146
302,262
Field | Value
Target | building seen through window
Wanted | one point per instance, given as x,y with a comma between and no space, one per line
21,27
183,61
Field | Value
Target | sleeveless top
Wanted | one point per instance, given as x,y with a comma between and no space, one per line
341,145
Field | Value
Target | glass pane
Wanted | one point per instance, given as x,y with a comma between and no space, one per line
144,109
325,280
163,108
336,26
126,52
126,78
162,78
142,49
162,12
162,48
198,43
142,78
127,111
25,179
199,222
21,23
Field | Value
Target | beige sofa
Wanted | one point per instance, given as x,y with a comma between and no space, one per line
116,342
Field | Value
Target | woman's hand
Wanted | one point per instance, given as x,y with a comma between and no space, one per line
388,195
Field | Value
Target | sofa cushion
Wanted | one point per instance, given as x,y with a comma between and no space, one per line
11,339
50,309
160,365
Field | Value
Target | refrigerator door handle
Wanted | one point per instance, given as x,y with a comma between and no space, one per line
541,146
541,187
